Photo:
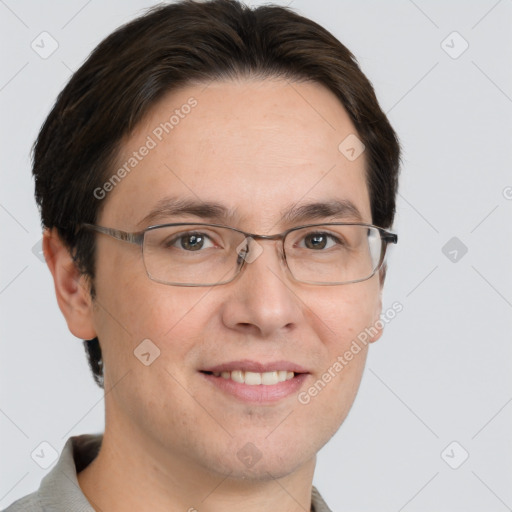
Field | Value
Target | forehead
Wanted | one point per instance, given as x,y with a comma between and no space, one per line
253,146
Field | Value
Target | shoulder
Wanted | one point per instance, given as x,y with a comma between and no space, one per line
317,502
59,490
29,503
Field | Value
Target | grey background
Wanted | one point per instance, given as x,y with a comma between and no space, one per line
441,372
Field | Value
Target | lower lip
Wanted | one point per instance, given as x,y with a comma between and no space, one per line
259,393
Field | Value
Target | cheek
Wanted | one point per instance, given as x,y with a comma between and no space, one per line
130,308
342,319
341,313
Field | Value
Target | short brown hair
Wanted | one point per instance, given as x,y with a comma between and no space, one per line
167,48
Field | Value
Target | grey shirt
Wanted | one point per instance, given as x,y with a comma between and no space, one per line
59,490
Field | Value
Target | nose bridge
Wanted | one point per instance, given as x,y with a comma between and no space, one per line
263,299
278,236
266,265
257,247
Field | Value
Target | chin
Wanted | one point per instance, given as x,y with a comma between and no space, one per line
263,457
266,469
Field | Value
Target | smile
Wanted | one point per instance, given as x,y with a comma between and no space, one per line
256,378
254,387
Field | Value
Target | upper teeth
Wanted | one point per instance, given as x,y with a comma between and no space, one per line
254,378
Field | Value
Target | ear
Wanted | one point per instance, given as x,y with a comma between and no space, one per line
71,287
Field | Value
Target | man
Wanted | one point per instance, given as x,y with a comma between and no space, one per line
215,185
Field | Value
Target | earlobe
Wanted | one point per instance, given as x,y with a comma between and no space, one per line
71,287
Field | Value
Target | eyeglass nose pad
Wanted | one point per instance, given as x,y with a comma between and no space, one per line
249,250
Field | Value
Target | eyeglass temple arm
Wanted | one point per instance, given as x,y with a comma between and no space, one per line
133,238
390,238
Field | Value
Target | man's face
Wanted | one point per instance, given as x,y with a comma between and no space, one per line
258,148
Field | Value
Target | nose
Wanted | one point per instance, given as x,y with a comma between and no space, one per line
262,300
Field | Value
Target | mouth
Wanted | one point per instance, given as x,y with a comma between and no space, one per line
255,378
250,381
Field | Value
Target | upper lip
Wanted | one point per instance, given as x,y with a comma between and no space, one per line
255,366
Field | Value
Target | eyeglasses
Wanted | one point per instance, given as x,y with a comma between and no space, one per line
191,254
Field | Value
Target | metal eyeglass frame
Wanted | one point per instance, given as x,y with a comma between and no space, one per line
137,238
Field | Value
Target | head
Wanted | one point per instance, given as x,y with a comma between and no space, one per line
213,102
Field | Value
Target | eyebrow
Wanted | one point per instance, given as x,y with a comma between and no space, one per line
182,207
334,209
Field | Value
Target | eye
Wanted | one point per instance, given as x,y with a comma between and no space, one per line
320,240
190,241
